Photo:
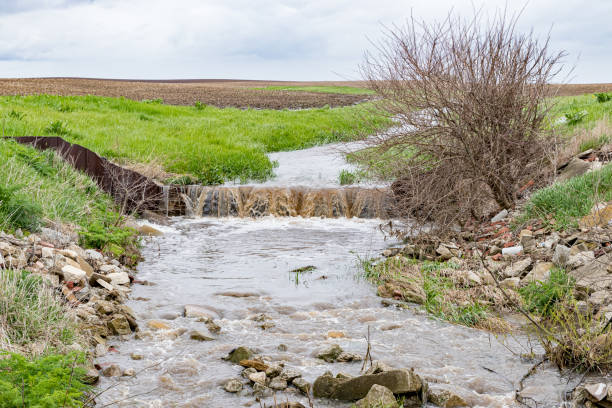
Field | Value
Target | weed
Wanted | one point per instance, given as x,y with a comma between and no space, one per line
144,117
31,312
347,177
13,114
603,97
57,128
574,117
199,105
542,297
17,211
182,180
594,143
303,269
156,101
49,381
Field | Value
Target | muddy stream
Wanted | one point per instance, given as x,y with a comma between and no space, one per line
239,270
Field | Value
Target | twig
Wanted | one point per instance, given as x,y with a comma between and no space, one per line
368,353
70,381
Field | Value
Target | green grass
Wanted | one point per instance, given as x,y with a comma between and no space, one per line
348,177
345,90
542,297
562,204
571,113
211,144
43,382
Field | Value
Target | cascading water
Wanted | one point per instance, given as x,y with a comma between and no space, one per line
239,270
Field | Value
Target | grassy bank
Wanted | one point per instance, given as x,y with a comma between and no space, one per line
345,90
210,144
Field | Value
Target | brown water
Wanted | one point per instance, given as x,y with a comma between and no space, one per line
239,268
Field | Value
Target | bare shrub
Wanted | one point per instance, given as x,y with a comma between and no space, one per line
470,99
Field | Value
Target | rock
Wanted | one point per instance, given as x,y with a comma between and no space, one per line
443,397
325,385
119,278
574,168
594,275
212,326
112,371
598,392
248,371
198,311
378,367
561,255
539,273
511,283
346,357
526,238
273,371
108,269
409,291
100,350
600,298
119,325
290,405
47,252
239,354
473,278
258,377
512,251
500,216
580,259
233,386
331,354
335,334
157,325
600,216
71,273
91,377
261,391
199,336
93,279
448,251
93,255
282,347
129,372
302,385
85,266
149,231
289,374
135,356
257,365
378,396
104,307
517,268
398,381
278,384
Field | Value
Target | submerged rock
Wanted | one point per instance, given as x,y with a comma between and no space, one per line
302,385
444,397
239,354
233,386
398,381
331,354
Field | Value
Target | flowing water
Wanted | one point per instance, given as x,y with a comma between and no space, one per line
240,270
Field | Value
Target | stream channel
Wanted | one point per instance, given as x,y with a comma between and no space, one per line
239,270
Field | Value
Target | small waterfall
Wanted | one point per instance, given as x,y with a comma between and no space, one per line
249,201
166,198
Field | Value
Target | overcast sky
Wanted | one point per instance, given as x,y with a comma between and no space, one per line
256,39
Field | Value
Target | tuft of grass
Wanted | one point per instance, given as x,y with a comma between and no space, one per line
603,97
31,312
213,144
562,204
50,381
542,297
345,90
347,177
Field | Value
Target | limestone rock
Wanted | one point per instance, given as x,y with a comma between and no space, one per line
119,278
302,385
346,357
258,377
129,372
233,386
511,283
539,273
378,367
257,365
149,231
289,374
112,371
157,325
91,377
331,354
199,336
598,392
197,311
325,385
574,168
448,250
278,384
500,216
600,215
71,273
378,396
561,255
594,275
239,354
580,259
409,291
443,397
119,325
517,268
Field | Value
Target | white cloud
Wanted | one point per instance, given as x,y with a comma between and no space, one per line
264,39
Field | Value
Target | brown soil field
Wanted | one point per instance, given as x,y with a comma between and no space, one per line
217,92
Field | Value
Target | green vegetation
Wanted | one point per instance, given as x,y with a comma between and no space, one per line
562,204
43,382
345,90
439,285
33,313
603,97
211,144
570,113
348,177
542,297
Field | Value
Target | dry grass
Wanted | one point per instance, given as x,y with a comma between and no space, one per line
221,93
33,318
